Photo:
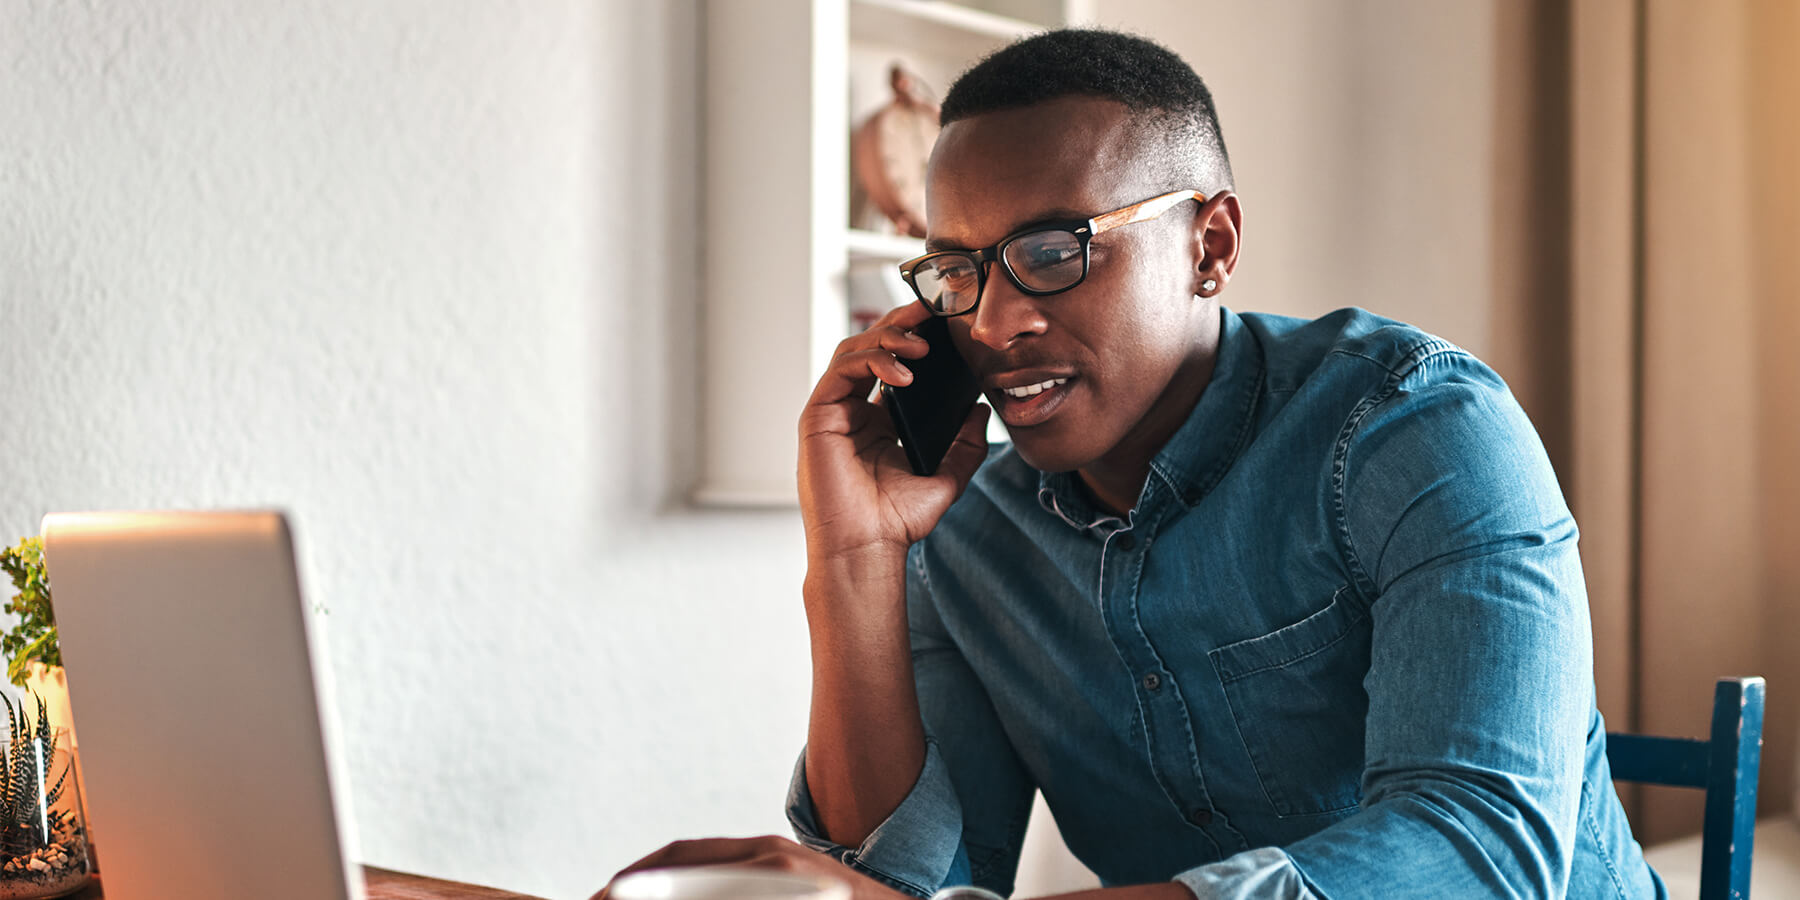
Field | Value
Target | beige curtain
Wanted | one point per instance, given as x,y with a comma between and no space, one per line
1649,318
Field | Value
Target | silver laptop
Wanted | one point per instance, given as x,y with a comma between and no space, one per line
202,705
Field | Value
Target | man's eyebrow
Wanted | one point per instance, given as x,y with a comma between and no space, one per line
1059,214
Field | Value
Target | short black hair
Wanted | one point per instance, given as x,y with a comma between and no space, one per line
1158,87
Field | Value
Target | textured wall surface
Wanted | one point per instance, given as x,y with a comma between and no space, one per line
419,273
1362,135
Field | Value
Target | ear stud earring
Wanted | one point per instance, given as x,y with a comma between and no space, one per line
1208,284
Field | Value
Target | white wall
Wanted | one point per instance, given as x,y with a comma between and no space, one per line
1362,136
419,272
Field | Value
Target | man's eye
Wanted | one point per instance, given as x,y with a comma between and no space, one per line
1046,250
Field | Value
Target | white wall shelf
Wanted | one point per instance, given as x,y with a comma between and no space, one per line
946,29
872,245
786,80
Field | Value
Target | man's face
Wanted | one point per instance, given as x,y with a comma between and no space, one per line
1106,352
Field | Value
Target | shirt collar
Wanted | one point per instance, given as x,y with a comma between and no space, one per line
1201,451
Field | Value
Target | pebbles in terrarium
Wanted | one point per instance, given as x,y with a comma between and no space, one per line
43,841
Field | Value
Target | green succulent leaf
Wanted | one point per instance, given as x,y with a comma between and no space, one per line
55,793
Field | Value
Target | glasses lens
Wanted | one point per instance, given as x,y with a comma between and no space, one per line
949,283
1045,260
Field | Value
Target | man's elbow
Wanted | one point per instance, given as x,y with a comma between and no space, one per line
1515,832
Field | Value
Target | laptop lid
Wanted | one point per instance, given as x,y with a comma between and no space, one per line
208,758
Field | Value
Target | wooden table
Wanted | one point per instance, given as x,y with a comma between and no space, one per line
384,884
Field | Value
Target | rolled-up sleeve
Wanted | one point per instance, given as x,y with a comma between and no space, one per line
1261,873
1480,682
964,819
916,849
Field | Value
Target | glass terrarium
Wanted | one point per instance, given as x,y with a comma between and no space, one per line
43,839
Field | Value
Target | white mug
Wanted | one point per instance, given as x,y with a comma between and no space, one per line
725,883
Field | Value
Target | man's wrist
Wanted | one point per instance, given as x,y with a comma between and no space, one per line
875,558
859,583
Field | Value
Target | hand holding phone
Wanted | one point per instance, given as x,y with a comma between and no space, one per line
858,491
929,412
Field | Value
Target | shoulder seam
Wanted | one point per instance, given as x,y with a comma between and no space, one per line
1410,358
1409,363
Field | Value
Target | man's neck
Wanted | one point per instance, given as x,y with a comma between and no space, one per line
1116,480
1121,498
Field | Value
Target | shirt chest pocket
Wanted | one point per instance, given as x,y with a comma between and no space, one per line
1296,696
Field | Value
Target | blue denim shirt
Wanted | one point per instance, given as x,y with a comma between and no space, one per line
1340,647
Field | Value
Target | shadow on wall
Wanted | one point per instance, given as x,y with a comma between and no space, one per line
643,332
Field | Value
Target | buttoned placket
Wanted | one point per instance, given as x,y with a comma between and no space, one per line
1168,728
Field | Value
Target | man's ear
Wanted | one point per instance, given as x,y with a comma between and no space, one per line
1218,229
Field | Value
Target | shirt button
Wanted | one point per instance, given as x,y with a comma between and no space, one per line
1152,681
1126,542
1200,817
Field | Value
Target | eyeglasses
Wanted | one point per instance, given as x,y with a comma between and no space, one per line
1044,259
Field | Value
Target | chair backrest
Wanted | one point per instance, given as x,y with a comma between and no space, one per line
1724,765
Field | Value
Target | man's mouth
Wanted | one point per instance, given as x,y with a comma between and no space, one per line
1032,402
1027,390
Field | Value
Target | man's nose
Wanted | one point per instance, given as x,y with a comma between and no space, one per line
1003,313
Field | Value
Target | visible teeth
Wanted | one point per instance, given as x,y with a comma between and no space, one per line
1030,389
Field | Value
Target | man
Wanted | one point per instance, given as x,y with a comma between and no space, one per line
1263,607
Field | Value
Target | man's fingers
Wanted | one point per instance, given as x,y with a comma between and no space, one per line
969,449
902,342
857,421
891,338
691,853
839,383
884,364
908,316
767,851
697,853
853,374
876,353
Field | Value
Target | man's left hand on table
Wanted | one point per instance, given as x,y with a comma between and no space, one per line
770,852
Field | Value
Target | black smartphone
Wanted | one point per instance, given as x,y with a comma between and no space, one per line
928,412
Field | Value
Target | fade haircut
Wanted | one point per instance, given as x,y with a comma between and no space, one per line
1171,109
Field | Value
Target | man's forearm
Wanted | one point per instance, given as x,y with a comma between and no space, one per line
865,743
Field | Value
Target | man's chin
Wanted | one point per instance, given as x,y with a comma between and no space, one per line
1045,453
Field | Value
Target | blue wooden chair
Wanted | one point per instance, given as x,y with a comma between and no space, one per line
1724,765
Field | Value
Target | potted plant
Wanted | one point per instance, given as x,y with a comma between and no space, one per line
43,840
33,657
34,662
